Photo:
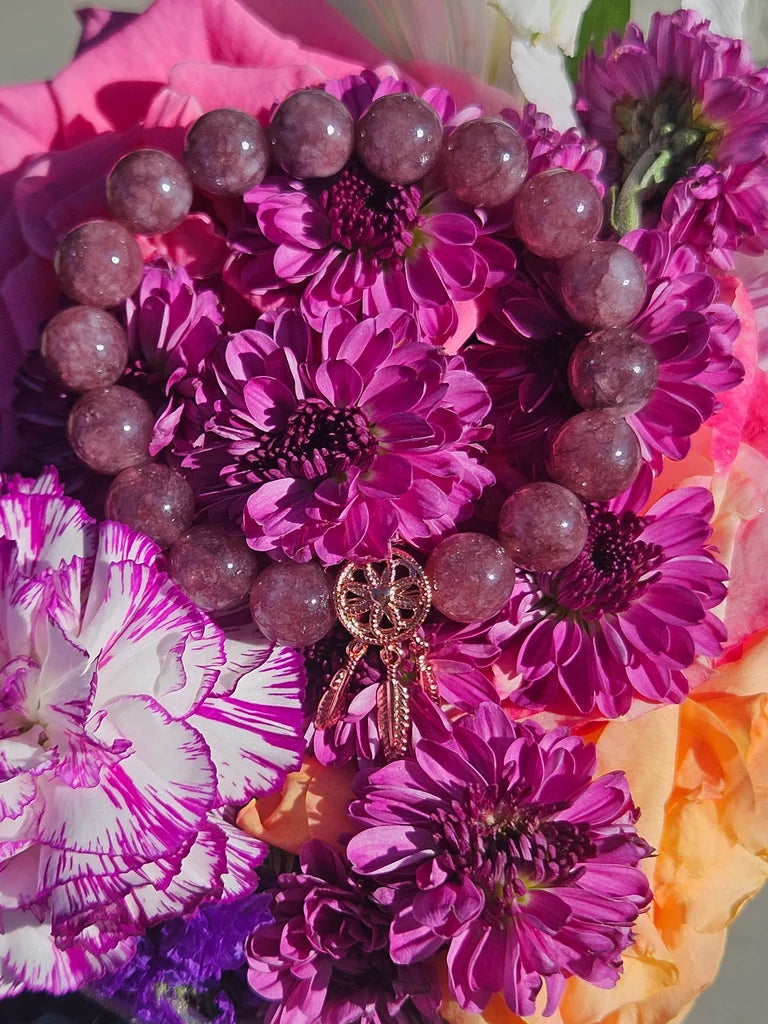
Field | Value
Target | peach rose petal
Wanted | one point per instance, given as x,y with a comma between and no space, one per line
312,805
625,744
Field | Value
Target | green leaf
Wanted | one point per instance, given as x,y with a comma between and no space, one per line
600,19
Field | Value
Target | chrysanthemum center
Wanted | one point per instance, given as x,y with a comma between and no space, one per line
612,571
369,214
509,847
666,124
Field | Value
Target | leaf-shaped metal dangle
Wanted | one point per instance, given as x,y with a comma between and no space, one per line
383,603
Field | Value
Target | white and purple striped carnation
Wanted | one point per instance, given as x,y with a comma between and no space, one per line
128,726
625,620
329,446
497,845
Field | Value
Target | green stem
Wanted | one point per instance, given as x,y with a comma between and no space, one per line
646,175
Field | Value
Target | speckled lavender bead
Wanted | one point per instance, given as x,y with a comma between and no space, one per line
542,527
556,212
613,369
603,285
149,192
110,429
291,603
99,264
471,577
398,138
83,348
226,152
311,134
152,499
214,566
484,161
594,454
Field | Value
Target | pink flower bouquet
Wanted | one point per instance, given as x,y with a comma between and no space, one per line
382,518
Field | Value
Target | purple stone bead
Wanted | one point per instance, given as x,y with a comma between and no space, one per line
596,455
149,192
291,603
471,577
152,499
542,527
399,137
83,348
311,134
110,429
214,566
484,162
603,285
99,264
226,152
556,212
613,369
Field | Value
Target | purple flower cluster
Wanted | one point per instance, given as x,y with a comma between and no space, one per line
494,845
376,362
190,969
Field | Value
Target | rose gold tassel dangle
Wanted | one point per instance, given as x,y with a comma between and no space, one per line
383,603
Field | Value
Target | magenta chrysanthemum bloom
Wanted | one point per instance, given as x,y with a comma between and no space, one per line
174,326
665,107
128,726
529,338
499,845
625,619
548,148
355,242
325,957
336,444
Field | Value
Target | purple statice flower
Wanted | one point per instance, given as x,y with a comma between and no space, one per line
325,958
128,726
667,108
190,970
500,846
173,326
528,339
355,242
626,618
329,446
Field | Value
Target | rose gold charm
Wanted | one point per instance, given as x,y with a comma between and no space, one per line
383,603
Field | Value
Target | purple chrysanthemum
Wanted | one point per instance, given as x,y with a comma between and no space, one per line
355,242
330,446
528,339
128,726
174,326
499,845
549,148
190,969
325,957
627,617
670,106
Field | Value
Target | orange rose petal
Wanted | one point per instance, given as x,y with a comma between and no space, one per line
312,805
644,748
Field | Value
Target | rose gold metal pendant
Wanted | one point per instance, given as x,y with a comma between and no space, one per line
383,603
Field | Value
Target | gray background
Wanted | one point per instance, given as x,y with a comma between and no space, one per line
36,39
